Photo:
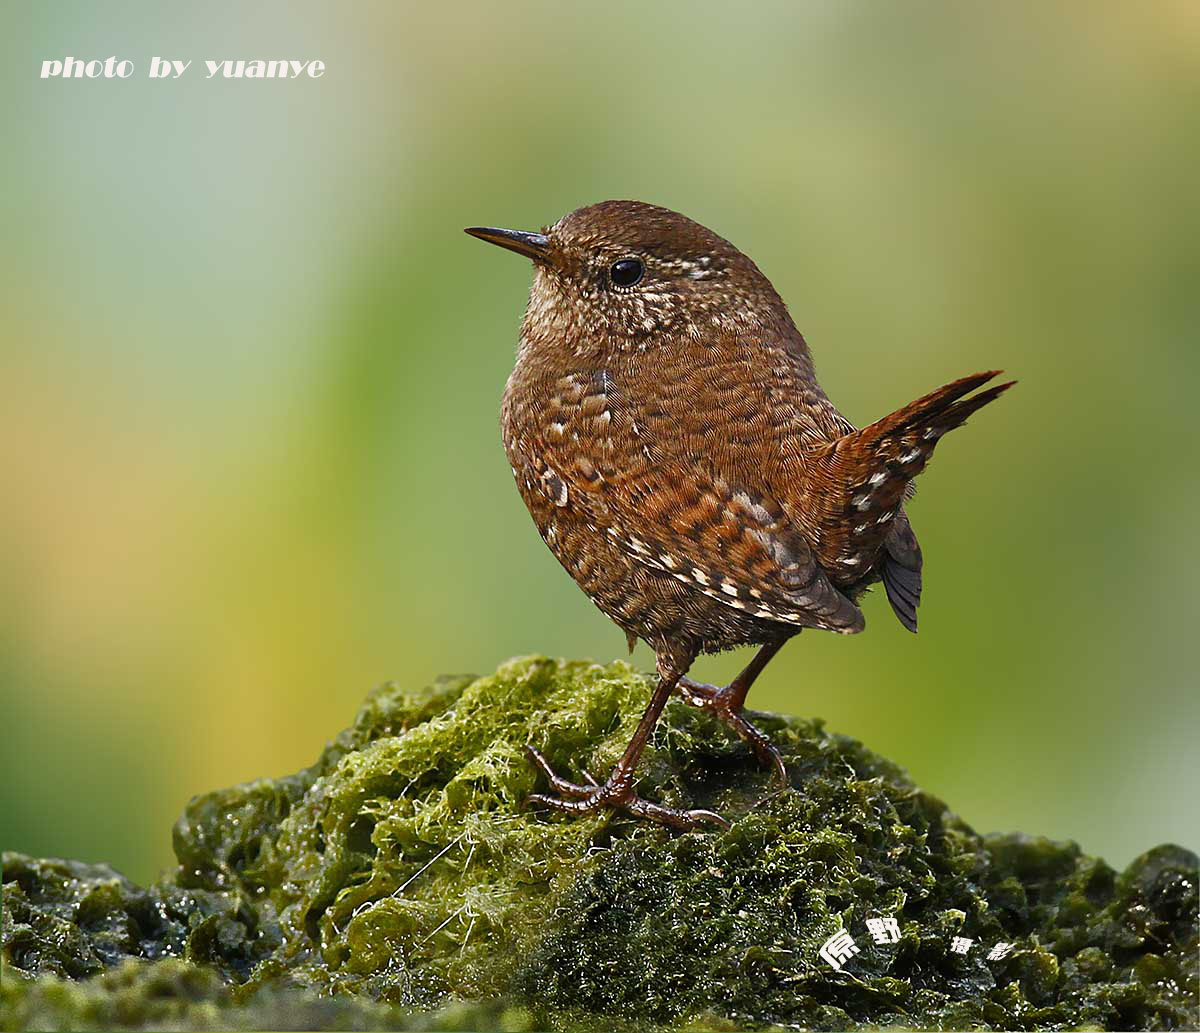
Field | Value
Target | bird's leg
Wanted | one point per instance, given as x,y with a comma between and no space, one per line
618,793
728,704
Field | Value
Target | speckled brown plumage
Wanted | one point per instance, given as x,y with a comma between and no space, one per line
682,462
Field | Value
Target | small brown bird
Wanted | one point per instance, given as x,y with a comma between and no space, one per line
667,432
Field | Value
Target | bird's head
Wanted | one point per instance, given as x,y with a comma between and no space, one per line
628,274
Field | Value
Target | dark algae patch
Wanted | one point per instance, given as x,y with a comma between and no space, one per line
397,884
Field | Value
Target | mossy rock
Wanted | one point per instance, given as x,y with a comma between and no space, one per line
398,883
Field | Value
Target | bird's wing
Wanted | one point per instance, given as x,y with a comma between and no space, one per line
684,519
732,545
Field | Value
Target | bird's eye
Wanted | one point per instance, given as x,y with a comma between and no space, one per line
627,272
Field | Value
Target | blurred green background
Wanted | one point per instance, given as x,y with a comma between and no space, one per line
251,372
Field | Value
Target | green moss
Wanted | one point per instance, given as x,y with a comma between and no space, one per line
400,868
173,994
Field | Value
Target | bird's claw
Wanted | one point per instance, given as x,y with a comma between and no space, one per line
615,794
721,702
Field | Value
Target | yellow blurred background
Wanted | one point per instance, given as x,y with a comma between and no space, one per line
251,370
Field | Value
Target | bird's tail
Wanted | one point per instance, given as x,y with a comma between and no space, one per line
870,470
891,452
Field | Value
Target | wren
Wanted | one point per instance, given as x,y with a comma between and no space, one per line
667,432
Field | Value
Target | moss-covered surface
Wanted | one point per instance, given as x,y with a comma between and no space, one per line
401,869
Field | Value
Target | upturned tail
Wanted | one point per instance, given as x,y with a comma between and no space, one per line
870,472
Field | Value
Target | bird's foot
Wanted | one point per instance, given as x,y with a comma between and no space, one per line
616,794
726,704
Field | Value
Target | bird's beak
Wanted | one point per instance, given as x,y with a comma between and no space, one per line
531,245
